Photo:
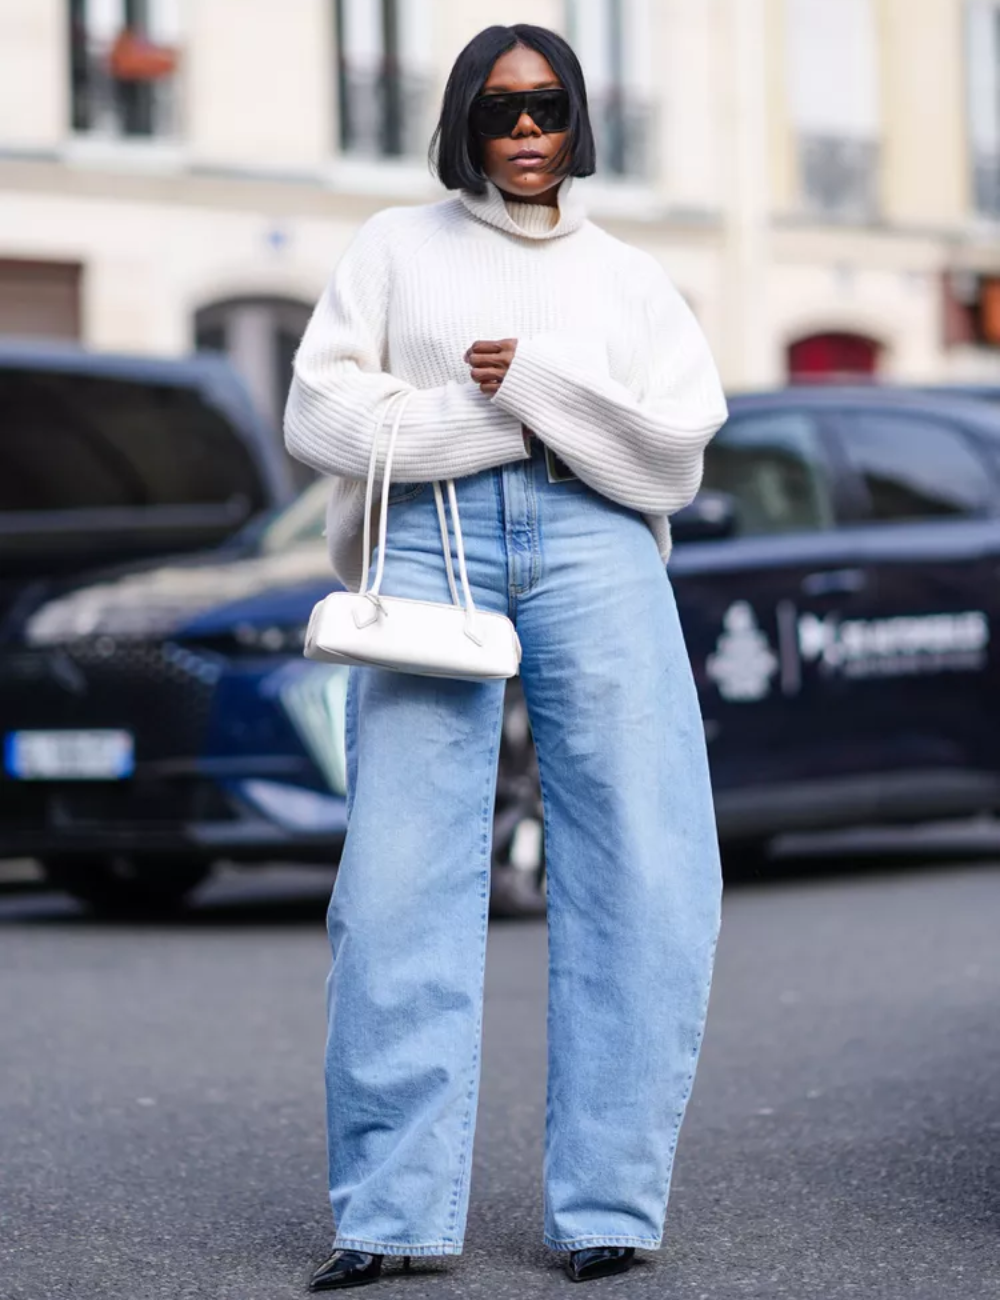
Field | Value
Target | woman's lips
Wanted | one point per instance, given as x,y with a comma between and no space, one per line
528,162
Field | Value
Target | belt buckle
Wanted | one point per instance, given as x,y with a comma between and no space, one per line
556,468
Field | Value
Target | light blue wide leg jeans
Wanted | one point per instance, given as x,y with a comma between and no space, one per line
633,878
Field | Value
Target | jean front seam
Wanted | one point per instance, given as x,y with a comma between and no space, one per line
501,540
536,546
525,526
458,1191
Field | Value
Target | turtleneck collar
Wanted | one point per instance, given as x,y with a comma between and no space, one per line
533,216
491,209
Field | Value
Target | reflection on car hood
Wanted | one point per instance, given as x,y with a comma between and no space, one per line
158,602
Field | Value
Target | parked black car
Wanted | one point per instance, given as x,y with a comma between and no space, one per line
105,459
843,636
838,585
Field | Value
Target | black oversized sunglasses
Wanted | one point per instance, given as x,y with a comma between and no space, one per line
497,115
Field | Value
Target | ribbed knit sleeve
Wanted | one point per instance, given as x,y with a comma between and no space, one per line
642,445
340,384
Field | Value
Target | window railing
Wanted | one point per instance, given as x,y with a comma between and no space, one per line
142,104
105,106
624,129
840,177
382,111
986,184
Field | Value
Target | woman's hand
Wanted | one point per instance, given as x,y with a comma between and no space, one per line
489,362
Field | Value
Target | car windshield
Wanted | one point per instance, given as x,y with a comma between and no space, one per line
78,441
300,524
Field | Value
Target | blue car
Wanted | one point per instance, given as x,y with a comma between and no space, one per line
837,580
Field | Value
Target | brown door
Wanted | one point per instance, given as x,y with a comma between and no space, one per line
40,299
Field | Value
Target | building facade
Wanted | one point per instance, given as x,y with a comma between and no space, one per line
821,178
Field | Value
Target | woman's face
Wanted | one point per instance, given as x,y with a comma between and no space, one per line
519,164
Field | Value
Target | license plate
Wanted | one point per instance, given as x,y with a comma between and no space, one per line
69,755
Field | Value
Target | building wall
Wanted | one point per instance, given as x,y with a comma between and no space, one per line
259,88
253,199
925,173
882,276
882,287
33,91
691,161
782,170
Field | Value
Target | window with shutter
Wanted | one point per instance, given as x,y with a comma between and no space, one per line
982,28
123,64
612,40
383,53
834,96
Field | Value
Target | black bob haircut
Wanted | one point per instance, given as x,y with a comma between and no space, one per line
456,153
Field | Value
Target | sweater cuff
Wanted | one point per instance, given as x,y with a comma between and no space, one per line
494,437
526,378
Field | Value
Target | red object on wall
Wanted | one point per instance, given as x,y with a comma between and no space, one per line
833,356
989,301
134,58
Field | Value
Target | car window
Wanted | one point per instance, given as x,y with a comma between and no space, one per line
772,464
78,441
914,467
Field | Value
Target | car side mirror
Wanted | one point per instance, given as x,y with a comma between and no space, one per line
711,517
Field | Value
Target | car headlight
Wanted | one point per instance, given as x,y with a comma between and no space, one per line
294,808
314,697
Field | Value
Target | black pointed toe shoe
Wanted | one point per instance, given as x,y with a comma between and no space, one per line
348,1268
598,1261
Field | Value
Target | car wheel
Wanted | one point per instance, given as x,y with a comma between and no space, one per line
518,871
124,886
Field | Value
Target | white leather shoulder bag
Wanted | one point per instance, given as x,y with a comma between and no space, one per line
425,637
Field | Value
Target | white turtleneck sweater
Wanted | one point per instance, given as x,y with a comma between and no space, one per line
611,369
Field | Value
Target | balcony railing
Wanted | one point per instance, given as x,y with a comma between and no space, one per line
382,111
840,177
986,184
104,106
624,129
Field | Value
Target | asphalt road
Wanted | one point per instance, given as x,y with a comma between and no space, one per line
161,1103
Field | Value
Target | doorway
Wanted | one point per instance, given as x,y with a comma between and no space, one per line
834,356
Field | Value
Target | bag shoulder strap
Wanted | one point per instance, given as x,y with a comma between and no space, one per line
401,401
370,492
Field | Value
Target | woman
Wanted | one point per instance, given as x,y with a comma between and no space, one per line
559,377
